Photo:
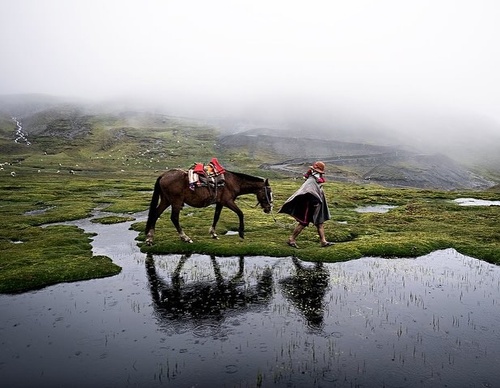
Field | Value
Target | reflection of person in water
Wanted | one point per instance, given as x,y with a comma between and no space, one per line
308,205
205,299
306,290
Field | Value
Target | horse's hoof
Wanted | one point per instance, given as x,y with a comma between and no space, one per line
215,237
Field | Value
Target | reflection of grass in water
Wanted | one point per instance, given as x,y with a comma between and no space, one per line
109,220
366,314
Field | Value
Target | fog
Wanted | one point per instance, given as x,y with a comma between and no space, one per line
379,64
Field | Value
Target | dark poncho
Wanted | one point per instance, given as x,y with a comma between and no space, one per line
307,204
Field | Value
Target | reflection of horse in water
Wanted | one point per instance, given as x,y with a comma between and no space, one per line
306,290
206,299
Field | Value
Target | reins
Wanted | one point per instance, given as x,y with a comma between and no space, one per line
270,202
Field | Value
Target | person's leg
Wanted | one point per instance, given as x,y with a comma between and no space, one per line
322,237
321,232
291,240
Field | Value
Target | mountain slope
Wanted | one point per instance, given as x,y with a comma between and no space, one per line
74,137
357,162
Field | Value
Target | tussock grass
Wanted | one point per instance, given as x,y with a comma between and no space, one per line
423,221
115,167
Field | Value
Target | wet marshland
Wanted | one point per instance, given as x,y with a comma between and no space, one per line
203,321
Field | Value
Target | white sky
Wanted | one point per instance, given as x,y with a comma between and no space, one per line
443,52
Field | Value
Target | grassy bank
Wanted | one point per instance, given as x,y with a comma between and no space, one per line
112,161
422,221
34,257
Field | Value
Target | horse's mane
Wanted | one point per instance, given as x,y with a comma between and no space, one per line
247,177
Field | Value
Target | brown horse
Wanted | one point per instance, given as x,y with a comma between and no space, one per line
172,189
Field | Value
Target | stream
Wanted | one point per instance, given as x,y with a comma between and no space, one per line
21,136
201,321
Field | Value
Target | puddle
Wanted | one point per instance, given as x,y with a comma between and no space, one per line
38,211
186,321
475,202
374,209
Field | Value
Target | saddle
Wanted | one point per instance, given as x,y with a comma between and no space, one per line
206,175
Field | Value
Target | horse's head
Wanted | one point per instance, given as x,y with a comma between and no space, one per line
265,197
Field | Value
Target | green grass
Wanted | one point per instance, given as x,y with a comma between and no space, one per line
424,221
115,168
33,257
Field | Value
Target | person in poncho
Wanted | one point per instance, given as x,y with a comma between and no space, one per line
308,205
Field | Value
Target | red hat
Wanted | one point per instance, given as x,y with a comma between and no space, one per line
319,167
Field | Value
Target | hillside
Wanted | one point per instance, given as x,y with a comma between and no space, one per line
68,138
75,137
357,162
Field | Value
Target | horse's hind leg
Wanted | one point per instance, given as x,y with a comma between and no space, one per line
174,217
153,217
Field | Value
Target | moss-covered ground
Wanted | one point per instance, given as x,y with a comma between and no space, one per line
116,165
421,222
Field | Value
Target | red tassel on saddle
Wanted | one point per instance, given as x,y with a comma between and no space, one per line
218,169
199,168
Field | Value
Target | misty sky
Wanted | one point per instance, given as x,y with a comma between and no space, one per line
438,52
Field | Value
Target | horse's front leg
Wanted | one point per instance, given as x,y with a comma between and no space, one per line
239,213
218,209
174,217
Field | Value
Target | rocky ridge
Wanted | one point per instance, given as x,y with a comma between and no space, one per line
358,162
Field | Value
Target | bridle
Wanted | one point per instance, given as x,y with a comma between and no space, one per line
269,197
269,200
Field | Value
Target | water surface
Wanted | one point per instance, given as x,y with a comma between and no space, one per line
475,202
199,321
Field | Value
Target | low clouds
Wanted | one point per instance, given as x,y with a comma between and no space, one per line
379,54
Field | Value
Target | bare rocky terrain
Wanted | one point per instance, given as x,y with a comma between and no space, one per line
358,162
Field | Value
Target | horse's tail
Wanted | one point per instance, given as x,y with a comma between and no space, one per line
152,215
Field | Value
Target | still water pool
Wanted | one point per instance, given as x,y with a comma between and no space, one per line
201,321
